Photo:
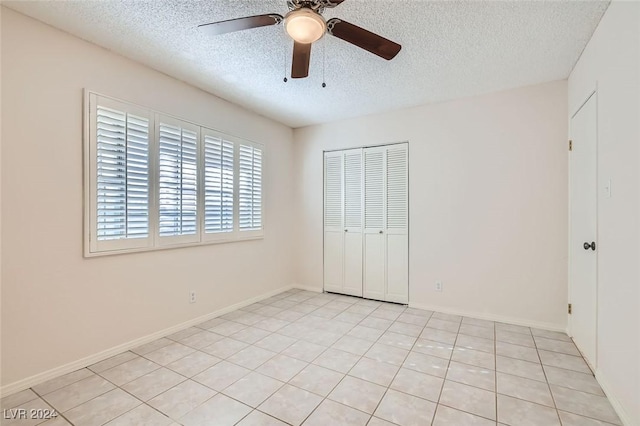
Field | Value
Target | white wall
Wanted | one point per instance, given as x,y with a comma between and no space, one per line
58,307
1,8
488,201
611,61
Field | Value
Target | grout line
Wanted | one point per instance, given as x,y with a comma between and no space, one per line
342,334
324,398
58,412
222,391
416,337
359,359
97,396
394,376
555,406
374,342
444,380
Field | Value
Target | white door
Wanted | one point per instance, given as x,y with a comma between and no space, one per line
397,223
374,223
353,199
583,220
333,222
366,238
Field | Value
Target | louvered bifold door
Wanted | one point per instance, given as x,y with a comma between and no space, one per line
334,221
397,223
178,221
218,189
374,264
120,181
353,218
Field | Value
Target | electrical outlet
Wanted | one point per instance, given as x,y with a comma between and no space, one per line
192,296
438,285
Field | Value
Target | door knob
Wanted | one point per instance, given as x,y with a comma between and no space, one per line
346,230
588,246
380,232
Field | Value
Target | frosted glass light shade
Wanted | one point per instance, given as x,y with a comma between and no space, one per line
304,25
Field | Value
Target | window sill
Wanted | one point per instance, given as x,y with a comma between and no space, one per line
89,254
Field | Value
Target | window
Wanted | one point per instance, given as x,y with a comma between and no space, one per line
219,194
119,200
154,181
177,181
250,193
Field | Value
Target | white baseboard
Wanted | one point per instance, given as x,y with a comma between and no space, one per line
490,317
625,417
36,379
466,313
308,288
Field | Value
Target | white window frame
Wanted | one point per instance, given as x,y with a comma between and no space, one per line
94,248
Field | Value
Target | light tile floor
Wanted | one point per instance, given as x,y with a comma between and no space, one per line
324,359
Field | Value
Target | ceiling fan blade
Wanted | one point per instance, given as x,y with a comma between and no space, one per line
223,27
362,38
331,3
301,59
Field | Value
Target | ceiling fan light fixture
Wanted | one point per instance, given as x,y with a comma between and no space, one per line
304,25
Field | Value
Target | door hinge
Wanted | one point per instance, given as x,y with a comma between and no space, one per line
569,309
570,145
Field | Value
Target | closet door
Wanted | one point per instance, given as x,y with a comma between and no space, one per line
374,223
397,223
333,222
353,199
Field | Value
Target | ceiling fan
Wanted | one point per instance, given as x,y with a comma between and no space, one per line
304,24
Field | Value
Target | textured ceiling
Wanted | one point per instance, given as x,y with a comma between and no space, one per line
450,49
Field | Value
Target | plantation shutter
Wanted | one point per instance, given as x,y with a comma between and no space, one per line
177,181
120,175
333,191
374,188
152,181
218,184
250,187
397,187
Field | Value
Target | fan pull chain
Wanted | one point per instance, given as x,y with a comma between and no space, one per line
284,56
324,57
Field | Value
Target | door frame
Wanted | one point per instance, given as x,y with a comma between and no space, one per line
324,151
593,93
